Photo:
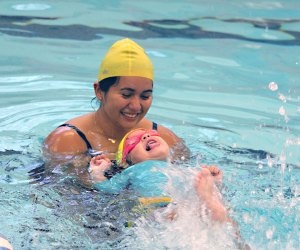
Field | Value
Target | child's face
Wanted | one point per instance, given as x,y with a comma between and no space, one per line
147,145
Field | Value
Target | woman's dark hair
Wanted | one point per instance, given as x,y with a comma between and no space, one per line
106,83
104,86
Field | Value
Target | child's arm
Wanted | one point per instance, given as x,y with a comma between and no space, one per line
207,192
98,165
205,186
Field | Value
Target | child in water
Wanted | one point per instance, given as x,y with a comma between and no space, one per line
139,152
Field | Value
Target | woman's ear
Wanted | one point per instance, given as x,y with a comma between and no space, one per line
98,93
96,85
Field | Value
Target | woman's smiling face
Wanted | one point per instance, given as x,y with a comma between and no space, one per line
127,102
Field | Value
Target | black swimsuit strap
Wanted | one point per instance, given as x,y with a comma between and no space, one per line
80,133
154,125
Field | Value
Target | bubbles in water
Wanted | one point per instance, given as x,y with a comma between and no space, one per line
281,111
246,218
269,233
282,159
262,219
270,161
292,141
273,86
282,97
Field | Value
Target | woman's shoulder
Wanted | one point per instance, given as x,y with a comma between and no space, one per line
65,138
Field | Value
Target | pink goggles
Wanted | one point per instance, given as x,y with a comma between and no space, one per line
130,143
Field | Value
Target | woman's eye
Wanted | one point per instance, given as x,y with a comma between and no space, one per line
145,97
126,95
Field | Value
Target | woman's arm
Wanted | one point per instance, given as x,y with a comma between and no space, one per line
179,151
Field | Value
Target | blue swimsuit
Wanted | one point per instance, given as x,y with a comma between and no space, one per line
144,178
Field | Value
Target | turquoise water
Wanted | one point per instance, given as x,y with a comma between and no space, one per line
226,80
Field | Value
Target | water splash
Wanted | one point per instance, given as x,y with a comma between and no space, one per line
273,86
281,97
192,227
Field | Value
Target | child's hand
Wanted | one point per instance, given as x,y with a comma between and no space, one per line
98,165
99,161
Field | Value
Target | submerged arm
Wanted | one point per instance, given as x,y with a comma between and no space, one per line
179,151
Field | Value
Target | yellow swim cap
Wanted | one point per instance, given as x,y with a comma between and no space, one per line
126,58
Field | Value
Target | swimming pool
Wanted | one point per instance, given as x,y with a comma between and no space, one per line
226,80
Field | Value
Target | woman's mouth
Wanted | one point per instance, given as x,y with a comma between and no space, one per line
130,115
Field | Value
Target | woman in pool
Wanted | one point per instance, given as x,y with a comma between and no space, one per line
124,89
142,145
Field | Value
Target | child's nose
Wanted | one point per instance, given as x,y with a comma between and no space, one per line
146,136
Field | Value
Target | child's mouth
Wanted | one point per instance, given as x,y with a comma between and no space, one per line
150,145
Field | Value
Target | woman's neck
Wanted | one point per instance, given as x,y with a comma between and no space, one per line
107,128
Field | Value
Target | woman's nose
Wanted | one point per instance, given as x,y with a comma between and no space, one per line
135,104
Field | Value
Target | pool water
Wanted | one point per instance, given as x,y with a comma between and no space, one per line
226,81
